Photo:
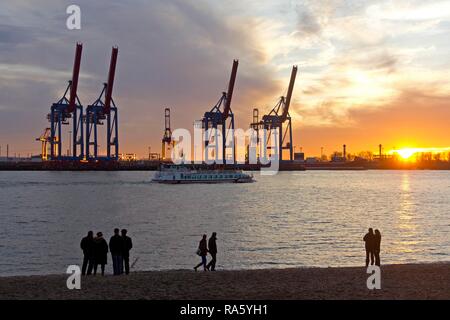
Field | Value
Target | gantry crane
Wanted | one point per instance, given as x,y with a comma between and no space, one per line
104,108
222,118
273,122
167,142
45,140
62,111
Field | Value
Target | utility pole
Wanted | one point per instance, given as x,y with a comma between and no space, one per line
7,151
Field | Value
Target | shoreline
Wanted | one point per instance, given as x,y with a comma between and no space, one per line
398,281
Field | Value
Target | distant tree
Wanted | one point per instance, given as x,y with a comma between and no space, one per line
368,155
336,154
437,156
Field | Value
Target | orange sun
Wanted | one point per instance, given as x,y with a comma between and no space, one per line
406,153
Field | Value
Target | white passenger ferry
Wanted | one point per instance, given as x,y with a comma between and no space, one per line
181,174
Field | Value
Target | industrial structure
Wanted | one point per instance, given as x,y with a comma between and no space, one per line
45,143
64,111
273,123
222,120
167,142
102,109
255,126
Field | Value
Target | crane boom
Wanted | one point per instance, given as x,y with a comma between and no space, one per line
110,84
75,74
289,94
229,96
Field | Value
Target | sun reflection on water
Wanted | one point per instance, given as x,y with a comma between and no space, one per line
406,214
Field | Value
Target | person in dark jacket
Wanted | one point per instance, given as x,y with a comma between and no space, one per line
369,239
87,245
127,245
116,249
376,247
202,252
212,248
100,253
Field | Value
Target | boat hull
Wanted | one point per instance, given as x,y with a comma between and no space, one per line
203,181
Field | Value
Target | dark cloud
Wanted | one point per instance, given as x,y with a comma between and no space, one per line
307,22
14,35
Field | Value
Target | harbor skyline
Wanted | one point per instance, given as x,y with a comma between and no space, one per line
365,78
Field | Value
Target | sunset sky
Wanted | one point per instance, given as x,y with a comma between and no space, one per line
370,72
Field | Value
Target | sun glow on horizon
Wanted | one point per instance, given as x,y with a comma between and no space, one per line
408,153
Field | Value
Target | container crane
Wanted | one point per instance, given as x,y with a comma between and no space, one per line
167,142
104,108
223,119
62,111
278,116
45,140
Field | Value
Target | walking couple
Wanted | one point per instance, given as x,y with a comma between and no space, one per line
203,250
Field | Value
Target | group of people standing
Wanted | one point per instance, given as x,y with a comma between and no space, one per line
95,251
204,248
373,244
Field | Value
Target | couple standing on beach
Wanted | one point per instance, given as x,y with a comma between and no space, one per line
373,243
203,250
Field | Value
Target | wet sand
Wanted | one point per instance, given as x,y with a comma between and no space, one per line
409,281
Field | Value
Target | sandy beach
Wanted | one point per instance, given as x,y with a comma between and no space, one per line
409,281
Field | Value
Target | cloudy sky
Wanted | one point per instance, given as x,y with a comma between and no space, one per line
370,72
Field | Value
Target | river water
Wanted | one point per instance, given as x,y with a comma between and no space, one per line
292,219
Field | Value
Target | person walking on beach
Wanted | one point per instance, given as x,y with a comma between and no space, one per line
212,248
87,245
202,252
376,247
369,239
127,245
100,253
116,249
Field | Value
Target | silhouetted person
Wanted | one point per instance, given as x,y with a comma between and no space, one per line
212,248
87,245
127,245
369,238
116,249
100,253
203,252
376,247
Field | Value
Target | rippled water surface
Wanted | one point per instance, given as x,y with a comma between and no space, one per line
291,219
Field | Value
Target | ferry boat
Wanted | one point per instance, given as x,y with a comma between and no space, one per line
174,174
